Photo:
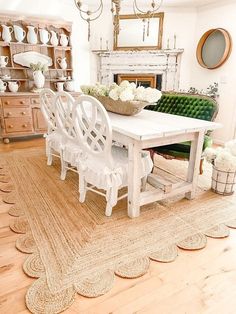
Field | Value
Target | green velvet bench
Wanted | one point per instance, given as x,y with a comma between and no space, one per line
188,105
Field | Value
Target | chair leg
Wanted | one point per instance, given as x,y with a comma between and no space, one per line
109,207
49,155
82,188
64,166
201,166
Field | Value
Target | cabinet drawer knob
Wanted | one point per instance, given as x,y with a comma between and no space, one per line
23,113
22,102
24,125
10,126
7,102
35,101
9,113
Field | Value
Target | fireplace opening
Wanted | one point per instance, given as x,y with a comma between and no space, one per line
145,80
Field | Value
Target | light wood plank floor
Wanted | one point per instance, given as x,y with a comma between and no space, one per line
197,282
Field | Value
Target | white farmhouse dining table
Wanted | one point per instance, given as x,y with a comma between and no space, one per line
151,129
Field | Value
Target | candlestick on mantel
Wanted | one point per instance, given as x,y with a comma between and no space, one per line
175,41
107,46
100,43
168,44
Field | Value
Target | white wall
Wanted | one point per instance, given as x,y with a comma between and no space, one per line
223,16
63,10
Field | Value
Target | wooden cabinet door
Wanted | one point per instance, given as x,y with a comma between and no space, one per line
40,124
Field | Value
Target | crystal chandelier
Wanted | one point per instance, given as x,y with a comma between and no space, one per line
92,15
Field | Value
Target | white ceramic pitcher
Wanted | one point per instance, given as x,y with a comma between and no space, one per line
3,61
6,33
13,86
44,36
62,62
32,35
54,39
19,33
69,86
64,40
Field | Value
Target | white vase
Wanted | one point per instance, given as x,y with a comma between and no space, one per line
39,79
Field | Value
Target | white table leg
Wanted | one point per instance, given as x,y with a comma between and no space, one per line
134,181
194,163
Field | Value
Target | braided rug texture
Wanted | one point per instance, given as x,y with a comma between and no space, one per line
74,248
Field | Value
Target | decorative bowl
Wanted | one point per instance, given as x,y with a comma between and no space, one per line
127,108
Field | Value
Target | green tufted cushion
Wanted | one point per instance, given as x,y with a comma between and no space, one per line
192,106
182,150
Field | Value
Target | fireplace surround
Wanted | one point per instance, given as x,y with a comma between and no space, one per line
159,66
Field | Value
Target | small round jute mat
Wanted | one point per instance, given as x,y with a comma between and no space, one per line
26,244
7,187
165,255
95,285
134,269
219,231
9,198
231,224
33,266
195,242
16,211
40,300
20,225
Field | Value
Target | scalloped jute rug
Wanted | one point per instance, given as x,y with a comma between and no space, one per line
74,248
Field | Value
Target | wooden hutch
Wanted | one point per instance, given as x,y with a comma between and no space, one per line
20,113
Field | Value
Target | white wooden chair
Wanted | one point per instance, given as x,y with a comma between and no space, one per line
102,166
53,137
71,150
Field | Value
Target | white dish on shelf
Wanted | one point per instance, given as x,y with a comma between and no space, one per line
26,58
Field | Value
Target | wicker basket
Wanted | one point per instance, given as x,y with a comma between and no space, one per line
223,182
127,108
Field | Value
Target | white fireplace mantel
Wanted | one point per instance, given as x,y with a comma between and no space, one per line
165,62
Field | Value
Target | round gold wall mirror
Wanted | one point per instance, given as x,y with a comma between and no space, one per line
214,48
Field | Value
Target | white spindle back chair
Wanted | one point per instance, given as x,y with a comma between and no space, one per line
64,104
47,103
94,132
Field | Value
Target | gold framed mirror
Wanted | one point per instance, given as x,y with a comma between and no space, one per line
214,48
139,33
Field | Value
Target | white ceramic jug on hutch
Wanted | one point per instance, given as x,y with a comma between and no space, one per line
64,40
69,86
54,39
44,36
39,79
32,33
13,86
59,86
3,61
19,33
6,33
62,62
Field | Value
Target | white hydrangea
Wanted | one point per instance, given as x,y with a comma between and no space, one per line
225,161
125,84
126,91
152,95
139,93
114,94
127,94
